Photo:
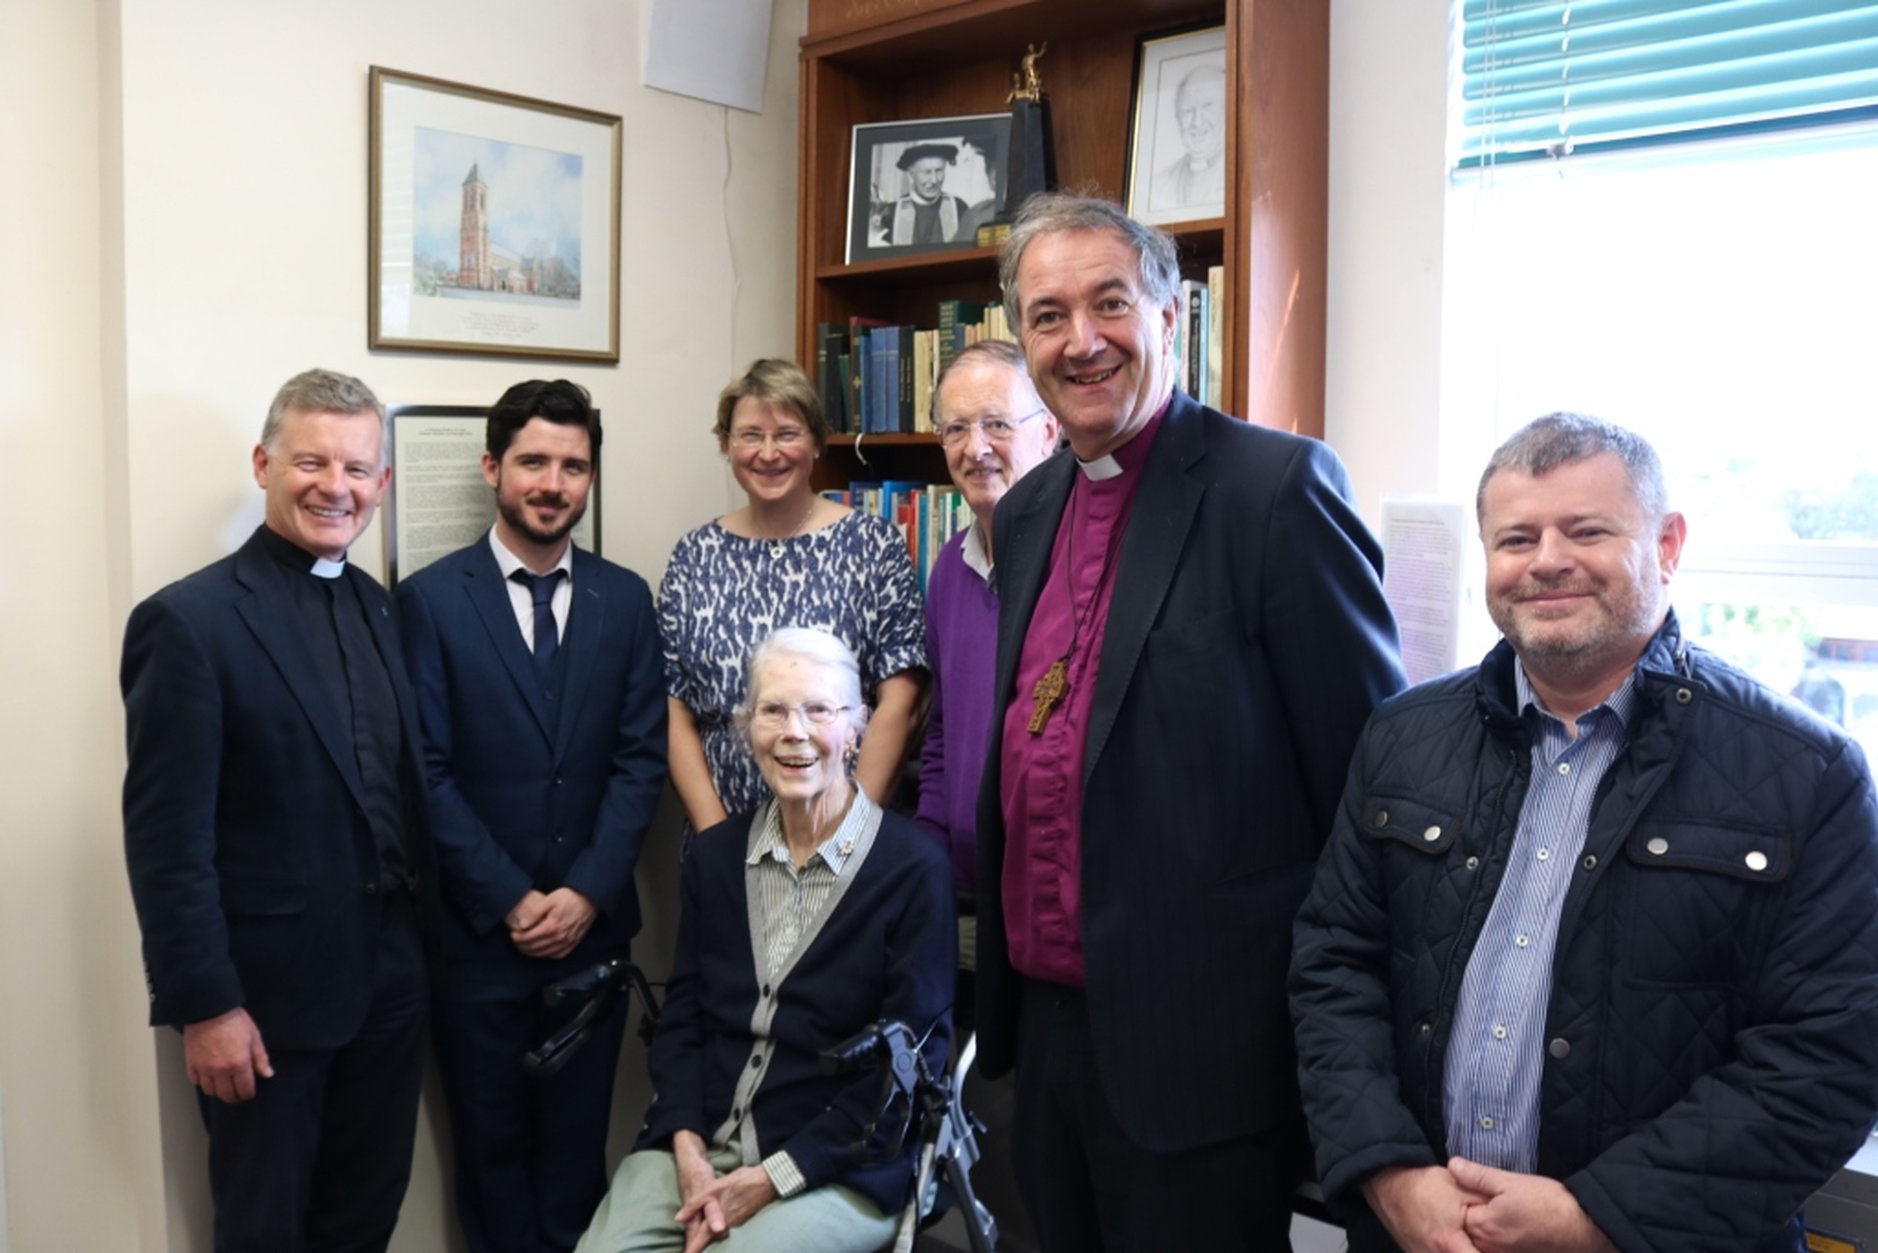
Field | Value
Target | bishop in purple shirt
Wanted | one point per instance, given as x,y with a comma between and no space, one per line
1191,635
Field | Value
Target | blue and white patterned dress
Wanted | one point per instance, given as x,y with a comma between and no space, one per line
723,593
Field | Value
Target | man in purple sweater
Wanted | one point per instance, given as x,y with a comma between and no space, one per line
994,428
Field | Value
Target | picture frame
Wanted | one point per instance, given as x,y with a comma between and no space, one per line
1177,129
493,222
891,161
438,501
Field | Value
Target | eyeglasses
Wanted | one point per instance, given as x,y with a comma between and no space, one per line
785,437
773,715
996,430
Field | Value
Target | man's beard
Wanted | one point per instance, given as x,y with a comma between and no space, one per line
519,523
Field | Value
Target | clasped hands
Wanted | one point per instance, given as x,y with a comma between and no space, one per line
550,924
1465,1207
713,1203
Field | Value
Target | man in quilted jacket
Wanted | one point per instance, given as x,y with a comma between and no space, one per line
1591,960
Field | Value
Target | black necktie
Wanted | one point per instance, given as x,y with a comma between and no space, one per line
547,637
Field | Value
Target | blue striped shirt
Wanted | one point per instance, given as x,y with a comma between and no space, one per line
1497,1052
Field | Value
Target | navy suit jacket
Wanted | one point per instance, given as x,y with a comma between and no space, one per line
251,861
528,791
1247,642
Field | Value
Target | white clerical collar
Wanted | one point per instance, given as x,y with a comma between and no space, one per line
326,568
509,563
1103,467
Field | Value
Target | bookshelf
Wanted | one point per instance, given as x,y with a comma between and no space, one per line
895,60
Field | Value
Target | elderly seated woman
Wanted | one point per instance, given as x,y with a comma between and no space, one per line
802,923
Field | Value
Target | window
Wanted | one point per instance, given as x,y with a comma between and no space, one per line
1716,294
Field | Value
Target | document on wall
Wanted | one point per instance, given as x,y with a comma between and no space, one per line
1423,544
439,501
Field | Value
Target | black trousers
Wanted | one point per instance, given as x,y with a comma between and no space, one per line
530,1152
318,1161
1091,1188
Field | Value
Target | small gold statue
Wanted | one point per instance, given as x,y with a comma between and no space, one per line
1028,85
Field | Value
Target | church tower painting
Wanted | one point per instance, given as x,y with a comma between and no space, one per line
473,269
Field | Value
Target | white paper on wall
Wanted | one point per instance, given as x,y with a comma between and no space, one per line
1422,545
710,49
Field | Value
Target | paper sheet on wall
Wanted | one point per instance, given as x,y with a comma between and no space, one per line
439,501
713,50
1422,544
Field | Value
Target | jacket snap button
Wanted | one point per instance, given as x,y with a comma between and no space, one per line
1684,696
1382,817
1591,861
1432,834
1426,1028
1560,1048
1757,860
1473,863
1657,846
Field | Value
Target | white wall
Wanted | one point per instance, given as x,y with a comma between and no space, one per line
1388,81
186,225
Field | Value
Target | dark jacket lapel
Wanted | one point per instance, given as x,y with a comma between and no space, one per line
1158,526
266,607
585,614
1022,542
488,592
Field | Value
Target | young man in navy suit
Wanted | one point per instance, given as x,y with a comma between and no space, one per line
537,671
274,834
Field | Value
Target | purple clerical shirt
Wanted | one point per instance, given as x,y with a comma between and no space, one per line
1041,783
961,649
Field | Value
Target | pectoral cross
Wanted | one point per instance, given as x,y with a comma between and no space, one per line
1049,690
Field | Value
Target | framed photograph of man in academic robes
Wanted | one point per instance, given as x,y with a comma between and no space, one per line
924,186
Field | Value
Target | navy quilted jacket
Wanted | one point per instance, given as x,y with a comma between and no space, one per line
1712,1034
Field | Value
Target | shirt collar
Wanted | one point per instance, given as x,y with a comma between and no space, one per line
1622,702
976,558
1131,455
296,558
836,852
509,563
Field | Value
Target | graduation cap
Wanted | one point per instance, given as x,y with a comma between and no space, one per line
949,153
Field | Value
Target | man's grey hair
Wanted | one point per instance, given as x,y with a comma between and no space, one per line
1563,438
984,352
323,391
1047,213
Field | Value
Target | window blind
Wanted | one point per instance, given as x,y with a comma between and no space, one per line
1544,78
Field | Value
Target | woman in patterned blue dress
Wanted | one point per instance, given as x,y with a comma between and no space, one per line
788,558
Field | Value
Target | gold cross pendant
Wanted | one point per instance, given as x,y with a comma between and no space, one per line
1049,690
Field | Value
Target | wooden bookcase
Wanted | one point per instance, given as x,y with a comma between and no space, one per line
896,60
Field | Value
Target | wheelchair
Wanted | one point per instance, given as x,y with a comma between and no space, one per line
914,1102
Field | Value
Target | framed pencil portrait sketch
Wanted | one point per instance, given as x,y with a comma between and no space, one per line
924,186
1177,132
494,222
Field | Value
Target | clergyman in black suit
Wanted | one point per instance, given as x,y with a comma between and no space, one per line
274,833
537,670
1191,635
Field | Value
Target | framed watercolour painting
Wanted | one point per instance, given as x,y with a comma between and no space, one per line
494,222
1177,134
925,186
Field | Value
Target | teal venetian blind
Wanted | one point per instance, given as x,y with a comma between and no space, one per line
1544,78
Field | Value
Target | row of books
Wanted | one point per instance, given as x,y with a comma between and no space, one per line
876,377
1199,343
927,514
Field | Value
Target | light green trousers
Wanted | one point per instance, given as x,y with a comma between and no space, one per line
635,1216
